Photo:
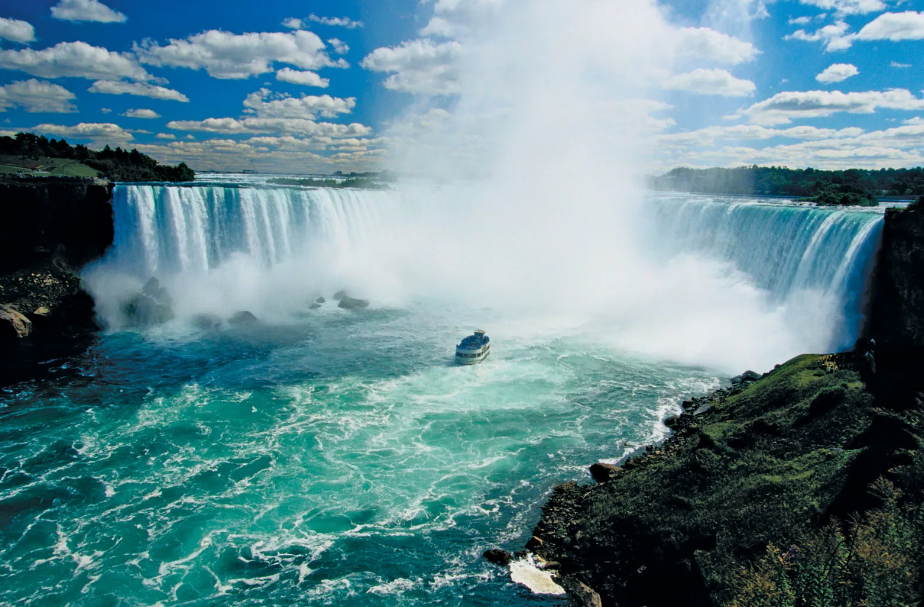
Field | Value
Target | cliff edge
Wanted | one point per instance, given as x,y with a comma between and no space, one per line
50,229
787,459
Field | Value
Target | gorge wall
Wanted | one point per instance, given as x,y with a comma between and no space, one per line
50,229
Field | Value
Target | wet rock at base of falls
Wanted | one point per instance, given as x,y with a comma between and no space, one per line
583,595
498,557
314,306
320,300
747,376
340,294
207,322
351,303
243,318
152,305
603,473
13,325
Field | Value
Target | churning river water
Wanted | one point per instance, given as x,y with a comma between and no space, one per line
331,456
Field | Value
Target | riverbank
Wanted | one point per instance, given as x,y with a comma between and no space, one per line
50,230
765,463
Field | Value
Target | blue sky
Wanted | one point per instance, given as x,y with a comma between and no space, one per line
317,86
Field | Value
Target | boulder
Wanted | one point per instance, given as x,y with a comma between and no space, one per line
534,543
340,295
603,473
320,300
351,303
314,306
583,595
150,306
498,557
747,376
13,325
207,322
243,318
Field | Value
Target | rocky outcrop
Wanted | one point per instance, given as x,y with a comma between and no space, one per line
48,230
13,325
69,219
897,312
895,321
243,318
761,462
150,306
352,303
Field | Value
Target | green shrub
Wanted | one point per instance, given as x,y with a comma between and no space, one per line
874,562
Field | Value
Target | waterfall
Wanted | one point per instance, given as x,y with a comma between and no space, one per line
783,249
687,278
162,230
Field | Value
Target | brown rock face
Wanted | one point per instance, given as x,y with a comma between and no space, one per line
13,325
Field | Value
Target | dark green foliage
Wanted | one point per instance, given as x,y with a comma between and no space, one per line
769,462
851,186
116,165
873,562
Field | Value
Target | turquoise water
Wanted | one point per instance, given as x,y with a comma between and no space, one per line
339,458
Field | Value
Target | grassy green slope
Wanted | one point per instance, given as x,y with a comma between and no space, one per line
767,462
12,165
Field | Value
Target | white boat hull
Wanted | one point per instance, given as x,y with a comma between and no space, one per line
472,357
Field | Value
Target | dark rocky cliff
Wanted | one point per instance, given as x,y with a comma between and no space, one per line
767,461
896,314
50,229
71,217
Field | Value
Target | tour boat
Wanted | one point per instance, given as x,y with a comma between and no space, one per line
473,349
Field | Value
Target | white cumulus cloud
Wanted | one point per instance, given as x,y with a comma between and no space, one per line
711,82
418,66
141,113
234,126
706,43
834,36
139,89
336,21
849,7
15,30
307,107
837,72
239,56
895,27
339,46
305,78
86,10
170,136
37,96
785,107
103,132
73,60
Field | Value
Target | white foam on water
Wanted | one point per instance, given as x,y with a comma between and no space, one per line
528,573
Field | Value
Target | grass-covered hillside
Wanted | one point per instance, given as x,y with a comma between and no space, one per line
28,154
764,495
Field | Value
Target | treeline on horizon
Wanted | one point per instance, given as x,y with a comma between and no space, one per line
850,186
116,165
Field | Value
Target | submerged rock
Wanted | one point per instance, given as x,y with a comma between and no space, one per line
207,322
314,306
498,557
243,318
151,306
351,303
